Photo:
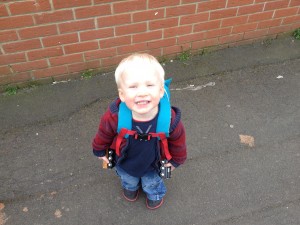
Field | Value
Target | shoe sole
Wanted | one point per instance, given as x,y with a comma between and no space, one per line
156,207
131,200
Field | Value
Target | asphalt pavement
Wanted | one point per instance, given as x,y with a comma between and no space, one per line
241,110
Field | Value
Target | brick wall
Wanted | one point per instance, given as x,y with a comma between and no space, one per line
58,39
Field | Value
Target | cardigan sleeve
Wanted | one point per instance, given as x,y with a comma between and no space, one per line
177,145
105,134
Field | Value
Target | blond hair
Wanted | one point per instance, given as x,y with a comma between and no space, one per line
139,61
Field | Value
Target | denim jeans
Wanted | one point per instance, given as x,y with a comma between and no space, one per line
152,184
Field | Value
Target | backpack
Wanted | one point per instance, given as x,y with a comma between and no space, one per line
162,128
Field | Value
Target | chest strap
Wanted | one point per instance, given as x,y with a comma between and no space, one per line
161,136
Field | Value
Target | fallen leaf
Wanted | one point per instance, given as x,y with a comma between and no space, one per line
25,209
3,217
58,213
247,140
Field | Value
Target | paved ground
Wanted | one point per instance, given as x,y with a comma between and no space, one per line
241,110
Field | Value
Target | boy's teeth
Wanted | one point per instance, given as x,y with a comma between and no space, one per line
142,103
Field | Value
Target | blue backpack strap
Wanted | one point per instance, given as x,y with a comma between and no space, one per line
164,115
124,118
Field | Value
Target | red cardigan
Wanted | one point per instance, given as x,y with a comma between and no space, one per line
107,134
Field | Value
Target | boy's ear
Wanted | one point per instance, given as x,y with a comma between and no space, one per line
121,94
162,91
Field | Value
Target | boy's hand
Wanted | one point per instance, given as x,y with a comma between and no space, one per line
170,165
104,158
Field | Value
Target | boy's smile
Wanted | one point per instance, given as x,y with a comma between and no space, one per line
141,91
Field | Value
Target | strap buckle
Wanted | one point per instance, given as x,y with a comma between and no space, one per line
142,137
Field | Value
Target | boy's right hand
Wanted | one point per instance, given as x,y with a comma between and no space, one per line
104,159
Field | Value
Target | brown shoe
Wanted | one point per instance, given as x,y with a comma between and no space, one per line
131,196
154,204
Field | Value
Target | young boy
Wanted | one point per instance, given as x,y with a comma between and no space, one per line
140,82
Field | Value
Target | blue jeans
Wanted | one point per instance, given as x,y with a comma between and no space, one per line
152,184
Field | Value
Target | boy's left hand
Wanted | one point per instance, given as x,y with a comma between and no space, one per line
170,165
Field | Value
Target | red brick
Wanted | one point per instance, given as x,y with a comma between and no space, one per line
12,79
28,66
165,23
269,23
50,72
38,31
294,3
234,21
276,5
234,3
129,6
285,12
260,1
255,34
60,39
92,11
79,67
81,47
66,59
211,5
108,21
15,22
131,29
217,33
230,38
22,46
98,54
23,7
6,36
210,25
5,70
59,4
177,31
189,1
12,58
96,34
148,15
205,43
113,42
281,29
52,17
76,26
181,10
250,9
3,10
108,62
139,47
104,1
162,3
44,53
224,13
148,36
243,28
292,19
260,16
194,18
190,38
162,43
172,50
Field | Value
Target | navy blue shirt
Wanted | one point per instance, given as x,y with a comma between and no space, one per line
140,156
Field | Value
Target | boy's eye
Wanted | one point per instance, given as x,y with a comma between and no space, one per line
133,86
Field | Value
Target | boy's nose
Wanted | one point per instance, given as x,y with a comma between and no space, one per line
142,91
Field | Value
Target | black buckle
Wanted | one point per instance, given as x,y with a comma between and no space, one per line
143,137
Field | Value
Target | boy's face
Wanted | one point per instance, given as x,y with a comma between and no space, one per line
141,93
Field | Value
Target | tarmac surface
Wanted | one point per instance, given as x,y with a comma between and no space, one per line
241,110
